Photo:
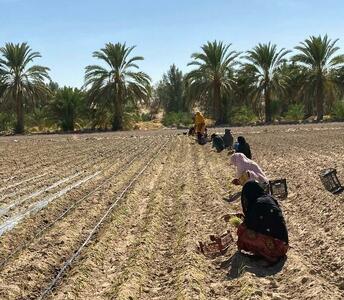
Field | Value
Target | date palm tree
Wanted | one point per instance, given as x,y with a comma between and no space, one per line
317,54
113,87
212,78
66,107
19,81
264,62
171,92
244,88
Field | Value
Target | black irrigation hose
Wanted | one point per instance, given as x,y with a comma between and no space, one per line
95,228
28,242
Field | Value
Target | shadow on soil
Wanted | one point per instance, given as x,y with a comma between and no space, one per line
232,197
240,263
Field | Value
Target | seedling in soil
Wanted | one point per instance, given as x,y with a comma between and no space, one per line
235,221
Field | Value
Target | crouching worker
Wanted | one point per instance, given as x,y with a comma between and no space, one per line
199,126
228,139
243,147
247,170
218,142
191,131
263,231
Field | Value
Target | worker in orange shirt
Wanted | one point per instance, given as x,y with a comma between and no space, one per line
199,123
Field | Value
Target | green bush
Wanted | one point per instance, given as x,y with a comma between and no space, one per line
276,108
38,119
129,119
177,118
7,122
338,111
295,112
145,117
243,116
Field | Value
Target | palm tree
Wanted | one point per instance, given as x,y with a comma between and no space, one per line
317,54
265,60
171,92
212,79
338,78
21,82
116,86
244,85
66,107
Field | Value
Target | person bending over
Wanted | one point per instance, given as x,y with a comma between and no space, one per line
218,143
228,139
247,170
199,123
263,231
200,129
191,130
243,147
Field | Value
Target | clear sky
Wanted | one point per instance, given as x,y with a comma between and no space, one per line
66,32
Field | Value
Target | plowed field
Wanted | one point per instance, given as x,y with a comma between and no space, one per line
119,216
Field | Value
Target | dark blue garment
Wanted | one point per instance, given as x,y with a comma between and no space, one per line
218,143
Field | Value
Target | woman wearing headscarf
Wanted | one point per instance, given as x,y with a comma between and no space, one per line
263,231
243,147
247,170
218,142
200,129
199,123
228,139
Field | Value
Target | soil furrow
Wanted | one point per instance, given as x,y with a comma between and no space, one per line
120,243
24,231
50,251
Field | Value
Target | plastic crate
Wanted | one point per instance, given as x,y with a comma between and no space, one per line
278,188
330,180
218,244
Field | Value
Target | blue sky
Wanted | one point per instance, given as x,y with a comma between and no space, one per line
165,32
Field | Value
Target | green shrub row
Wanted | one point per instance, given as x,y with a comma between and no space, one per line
177,119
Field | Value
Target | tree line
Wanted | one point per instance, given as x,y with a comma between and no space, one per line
264,83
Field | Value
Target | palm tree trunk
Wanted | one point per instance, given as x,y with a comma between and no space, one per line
268,117
320,101
117,121
20,115
308,108
72,119
217,109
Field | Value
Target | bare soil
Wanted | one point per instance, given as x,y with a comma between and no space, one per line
55,188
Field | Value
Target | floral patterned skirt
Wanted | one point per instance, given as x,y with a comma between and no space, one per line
260,244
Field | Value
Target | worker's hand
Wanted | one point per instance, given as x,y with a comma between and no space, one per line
236,181
230,152
240,215
226,217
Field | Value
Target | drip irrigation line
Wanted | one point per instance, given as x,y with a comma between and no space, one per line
96,227
70,208
5,209
58,162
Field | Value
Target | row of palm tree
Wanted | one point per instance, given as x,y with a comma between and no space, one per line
220,77
109,88
21,83
266,71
